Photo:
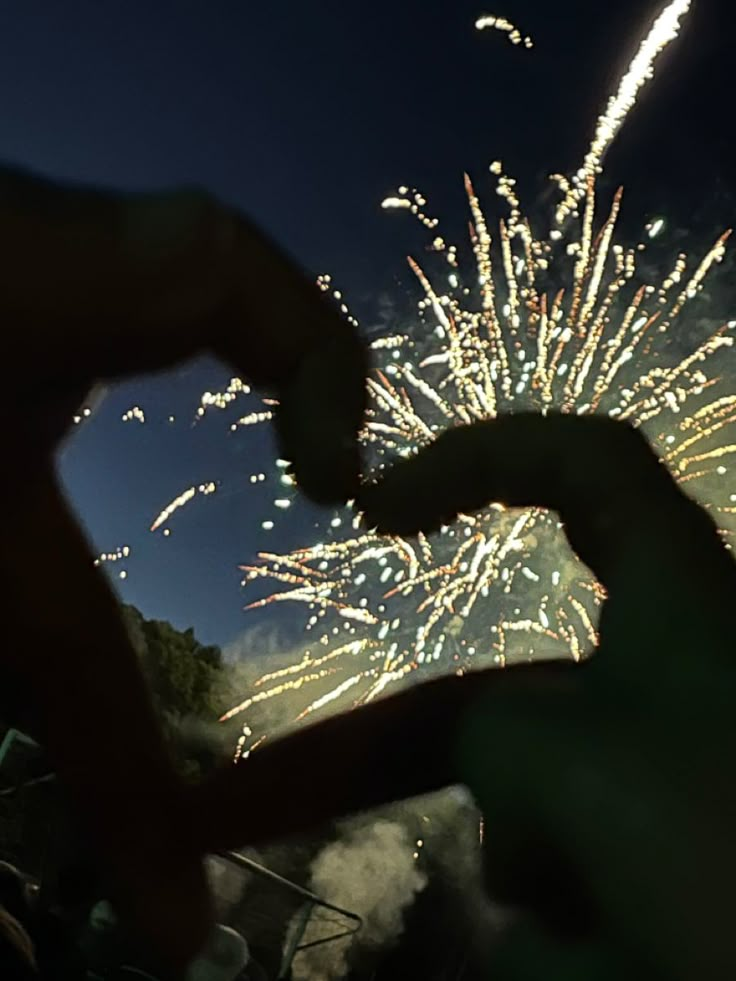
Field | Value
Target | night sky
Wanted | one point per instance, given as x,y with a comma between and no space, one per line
306,115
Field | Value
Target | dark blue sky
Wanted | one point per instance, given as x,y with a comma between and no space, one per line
305,115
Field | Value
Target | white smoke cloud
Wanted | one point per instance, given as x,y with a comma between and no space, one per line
266,640
370,871
226,882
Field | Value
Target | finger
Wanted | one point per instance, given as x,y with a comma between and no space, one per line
398,747
319,417
102,285
94,713
276,327
89,269
592,471
621,510
106,283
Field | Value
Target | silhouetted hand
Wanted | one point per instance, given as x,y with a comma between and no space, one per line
610,800
607,785
97,285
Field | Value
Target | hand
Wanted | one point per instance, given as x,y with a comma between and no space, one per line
608,796
606,785
98,285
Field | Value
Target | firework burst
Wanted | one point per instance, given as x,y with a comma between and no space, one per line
571,321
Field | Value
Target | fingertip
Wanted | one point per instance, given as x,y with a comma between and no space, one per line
330,479
319,417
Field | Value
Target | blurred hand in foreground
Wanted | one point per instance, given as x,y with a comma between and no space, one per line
96,286
606,785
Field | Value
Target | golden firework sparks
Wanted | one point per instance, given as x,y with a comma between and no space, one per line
570,321
506,27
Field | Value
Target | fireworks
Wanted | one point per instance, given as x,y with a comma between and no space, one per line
121,553
575,321
135,412
506,27
205,489
664,30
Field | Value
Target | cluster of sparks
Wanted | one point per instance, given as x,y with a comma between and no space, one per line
569,322
506,27
118,555
134,413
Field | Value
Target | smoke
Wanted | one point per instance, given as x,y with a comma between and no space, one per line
227,884
369,871
451,830
258,650
259,645
365,864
